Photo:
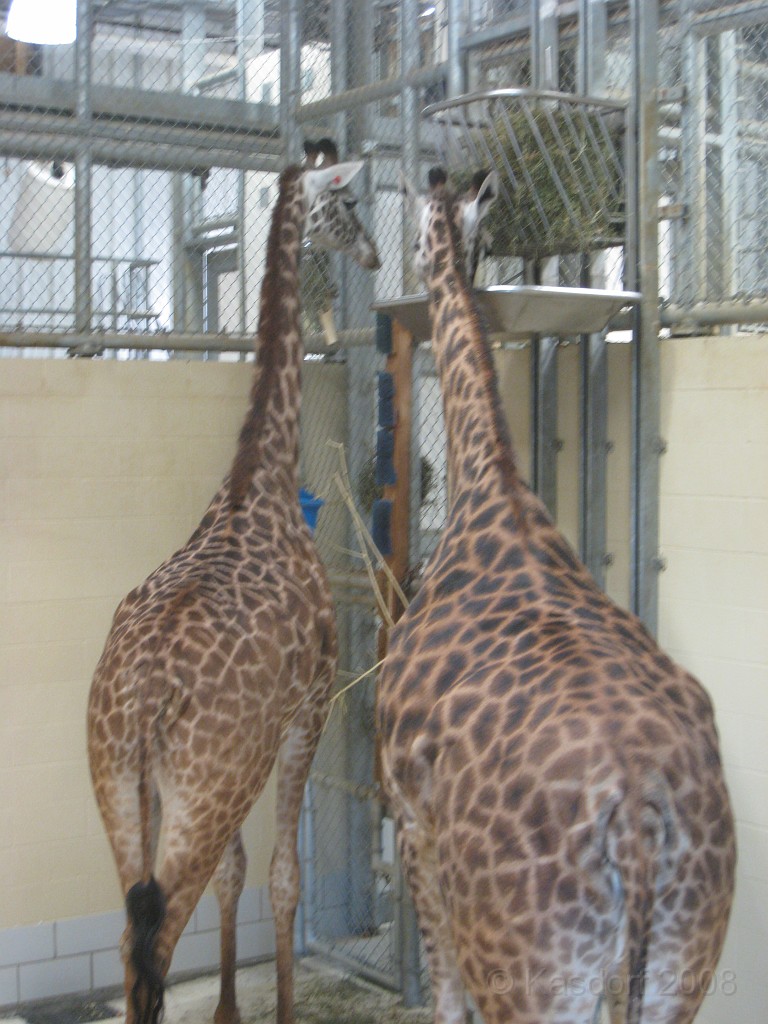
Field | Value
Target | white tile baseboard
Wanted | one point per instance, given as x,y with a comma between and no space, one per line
82,954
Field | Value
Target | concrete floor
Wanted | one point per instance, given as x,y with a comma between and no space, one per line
324,995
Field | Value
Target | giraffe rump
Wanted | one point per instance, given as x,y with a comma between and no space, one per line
145,906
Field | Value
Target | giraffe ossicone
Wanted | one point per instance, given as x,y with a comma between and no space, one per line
220,663
555,777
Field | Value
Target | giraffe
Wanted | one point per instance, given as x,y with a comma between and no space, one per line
561,811
221,661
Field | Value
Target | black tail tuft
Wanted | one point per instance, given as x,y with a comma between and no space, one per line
145,905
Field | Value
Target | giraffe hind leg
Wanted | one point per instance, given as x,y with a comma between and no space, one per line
228,882
294,761
420,866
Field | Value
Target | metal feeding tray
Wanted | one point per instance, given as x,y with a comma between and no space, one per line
518,311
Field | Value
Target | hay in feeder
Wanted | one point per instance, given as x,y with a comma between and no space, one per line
561,175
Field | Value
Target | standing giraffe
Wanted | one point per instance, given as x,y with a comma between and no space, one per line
562,816
222,660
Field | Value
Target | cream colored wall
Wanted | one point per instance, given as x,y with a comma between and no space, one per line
513,367
105,468
713,607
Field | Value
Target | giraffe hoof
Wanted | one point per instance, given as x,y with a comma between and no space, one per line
226,1015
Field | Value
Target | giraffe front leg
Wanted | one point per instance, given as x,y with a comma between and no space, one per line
294,761
228,882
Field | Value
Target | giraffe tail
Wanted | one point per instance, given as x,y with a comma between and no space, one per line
641,836
145,906
145,901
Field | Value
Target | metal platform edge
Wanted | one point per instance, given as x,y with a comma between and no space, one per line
519,311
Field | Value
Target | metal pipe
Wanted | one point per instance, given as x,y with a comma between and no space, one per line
714,313
527,94
354,98
409,125
646,372
290,77
174,341
339,68
213,81
83,168
164,154
454,16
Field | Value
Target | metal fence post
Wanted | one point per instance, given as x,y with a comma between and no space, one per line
646,365
83,169
544,75
593,353
290,77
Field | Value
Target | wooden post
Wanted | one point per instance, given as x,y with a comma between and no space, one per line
400,365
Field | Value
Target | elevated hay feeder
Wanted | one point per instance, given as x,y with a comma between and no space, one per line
560,160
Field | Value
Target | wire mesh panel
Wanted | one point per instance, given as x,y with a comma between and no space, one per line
712,151
139,183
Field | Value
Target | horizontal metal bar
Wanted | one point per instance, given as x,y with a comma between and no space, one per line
314,344
566,98
156,156
729,16
710,313
499,33
140,106
218,224
356,966
32,255
222,78
345,786
112,340
353,98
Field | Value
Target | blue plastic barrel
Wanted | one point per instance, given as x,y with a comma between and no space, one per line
310,506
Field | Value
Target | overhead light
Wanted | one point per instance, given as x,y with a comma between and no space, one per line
48,22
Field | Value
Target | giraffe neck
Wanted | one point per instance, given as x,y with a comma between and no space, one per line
269,439
480,453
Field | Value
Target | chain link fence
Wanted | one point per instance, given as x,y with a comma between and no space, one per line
713,163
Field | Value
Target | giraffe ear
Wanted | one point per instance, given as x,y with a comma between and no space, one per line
330,178
487,193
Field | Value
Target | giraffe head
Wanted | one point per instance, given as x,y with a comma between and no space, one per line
331,221
469,211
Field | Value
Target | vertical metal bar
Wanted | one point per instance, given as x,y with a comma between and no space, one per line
250,44
646,374
732,187
83,169
544,411
339,69
593,41
544,44
594,356
290,77
594,450
692,266
454,16
409,124
544,75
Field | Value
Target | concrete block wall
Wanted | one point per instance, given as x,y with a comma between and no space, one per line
105,469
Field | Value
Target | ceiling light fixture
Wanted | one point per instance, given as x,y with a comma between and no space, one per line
48,22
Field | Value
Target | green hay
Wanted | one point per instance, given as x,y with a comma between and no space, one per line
582,155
